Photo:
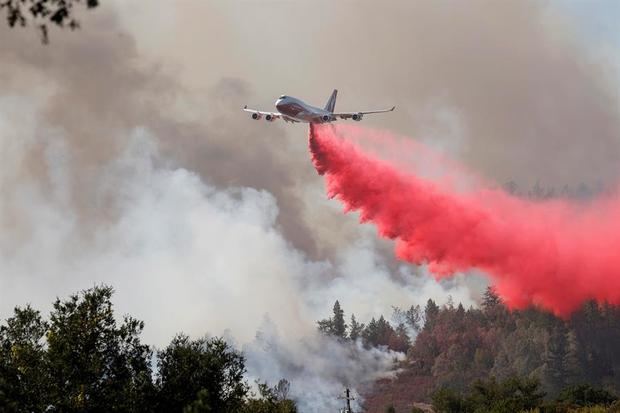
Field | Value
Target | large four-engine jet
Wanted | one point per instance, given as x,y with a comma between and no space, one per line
294,110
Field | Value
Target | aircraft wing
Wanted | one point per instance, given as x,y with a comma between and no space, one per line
349,115
260,114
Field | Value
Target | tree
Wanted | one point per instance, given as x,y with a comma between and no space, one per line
201,404
340,327
356,329
200,374
448,401
410,318
430,313
381,333
371,333
43,12
490,300
272,400
584,395
570,363
511,395
326,326
96,365
554,357
334,326
281,389
399,340
24,378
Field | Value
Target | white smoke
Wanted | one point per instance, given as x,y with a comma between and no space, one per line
318,367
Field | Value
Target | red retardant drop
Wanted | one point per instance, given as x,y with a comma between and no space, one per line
554,253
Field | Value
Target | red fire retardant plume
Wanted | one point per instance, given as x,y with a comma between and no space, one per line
553,254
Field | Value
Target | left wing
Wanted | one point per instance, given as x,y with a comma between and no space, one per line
257,114
269,116
358,115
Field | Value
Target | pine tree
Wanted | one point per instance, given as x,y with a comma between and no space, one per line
571,365
490,299
334,326
326,326
356,329
554,360
414,318
338,323
430,314
370,333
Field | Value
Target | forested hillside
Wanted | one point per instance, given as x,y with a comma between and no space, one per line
81,358
457,346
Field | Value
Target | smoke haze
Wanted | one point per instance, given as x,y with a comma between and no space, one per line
126,160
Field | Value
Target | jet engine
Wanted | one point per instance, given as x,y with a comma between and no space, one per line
256,116
326,118
269,118
357,117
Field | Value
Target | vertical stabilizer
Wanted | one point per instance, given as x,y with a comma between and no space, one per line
331,103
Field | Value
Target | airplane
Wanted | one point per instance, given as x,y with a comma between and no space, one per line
291,109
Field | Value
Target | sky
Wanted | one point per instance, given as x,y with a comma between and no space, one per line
126,160
595,18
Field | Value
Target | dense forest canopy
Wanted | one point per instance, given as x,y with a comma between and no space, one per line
81,359
449,348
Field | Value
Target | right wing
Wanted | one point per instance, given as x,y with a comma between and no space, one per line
257,114
349,115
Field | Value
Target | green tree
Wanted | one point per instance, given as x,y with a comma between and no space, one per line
571,364
334,326
326,326
371,333
555,354
490,300
446,400
271,400
24,377
584,395
430,313
95,364
511,395
200,374
42,13
356,329
340,326
201,404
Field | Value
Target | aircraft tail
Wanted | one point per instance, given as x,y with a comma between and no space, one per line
331,103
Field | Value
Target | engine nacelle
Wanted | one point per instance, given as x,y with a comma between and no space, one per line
357,117
326,118
256,116
269,118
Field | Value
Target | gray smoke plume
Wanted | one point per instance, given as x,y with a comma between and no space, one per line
318,367
125,158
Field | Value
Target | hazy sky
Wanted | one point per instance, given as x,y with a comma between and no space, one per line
126,159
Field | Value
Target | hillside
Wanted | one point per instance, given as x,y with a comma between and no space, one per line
457,346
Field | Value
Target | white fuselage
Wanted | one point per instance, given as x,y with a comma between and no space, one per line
299,111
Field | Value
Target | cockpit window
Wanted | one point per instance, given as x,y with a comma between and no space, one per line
283,97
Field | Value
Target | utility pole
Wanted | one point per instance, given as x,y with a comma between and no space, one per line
347,397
